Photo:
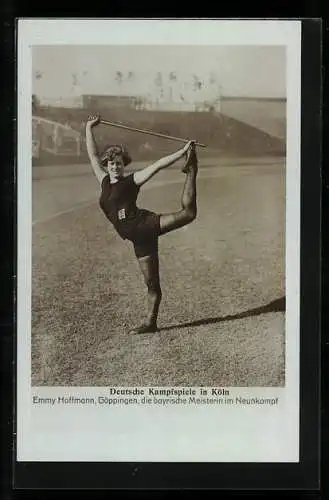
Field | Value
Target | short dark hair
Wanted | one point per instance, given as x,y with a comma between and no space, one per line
115,150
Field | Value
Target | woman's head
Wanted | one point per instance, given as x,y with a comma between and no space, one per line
114,159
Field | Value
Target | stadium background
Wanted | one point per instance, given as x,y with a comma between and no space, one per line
233,126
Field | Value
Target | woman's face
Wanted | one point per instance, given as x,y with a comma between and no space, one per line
115,167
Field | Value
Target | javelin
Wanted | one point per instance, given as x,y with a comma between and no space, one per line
149,132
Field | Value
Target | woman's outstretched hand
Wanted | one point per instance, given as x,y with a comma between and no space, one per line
189,145
93,120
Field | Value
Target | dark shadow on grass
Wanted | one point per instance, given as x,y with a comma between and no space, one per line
277,305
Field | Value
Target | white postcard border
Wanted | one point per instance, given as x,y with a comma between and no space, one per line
207,433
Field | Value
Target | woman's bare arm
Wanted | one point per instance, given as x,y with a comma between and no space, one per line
92,149
146,173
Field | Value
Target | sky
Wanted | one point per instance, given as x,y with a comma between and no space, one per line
246,71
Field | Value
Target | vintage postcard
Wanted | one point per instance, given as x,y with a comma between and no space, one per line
158,181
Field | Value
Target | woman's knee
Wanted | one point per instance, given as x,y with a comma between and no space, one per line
190,214
154,288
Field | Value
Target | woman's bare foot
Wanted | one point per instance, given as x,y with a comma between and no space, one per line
145,328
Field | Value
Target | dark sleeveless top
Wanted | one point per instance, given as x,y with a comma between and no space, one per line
118,202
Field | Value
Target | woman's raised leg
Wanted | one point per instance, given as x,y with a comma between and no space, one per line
169,222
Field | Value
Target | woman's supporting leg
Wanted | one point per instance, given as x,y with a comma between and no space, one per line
149,266
169,222
149,259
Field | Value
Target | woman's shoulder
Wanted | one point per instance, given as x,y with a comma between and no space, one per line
130,179
105,181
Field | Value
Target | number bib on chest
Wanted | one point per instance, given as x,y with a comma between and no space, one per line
122,214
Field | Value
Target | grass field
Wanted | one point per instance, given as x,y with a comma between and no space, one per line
222,314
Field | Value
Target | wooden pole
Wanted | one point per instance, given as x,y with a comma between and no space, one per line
149,132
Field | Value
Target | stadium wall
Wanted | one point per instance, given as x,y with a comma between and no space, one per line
248,135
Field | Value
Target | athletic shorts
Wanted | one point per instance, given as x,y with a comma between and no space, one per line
146,234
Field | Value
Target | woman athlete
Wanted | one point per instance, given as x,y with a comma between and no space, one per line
142,227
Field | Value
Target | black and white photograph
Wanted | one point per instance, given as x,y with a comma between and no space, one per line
158,260
158,201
